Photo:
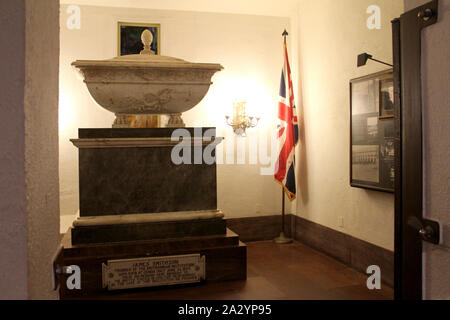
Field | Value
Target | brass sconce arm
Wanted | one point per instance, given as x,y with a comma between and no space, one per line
243,124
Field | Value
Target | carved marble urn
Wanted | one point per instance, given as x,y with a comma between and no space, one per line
147,84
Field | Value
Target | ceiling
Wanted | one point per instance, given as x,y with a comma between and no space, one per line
282,8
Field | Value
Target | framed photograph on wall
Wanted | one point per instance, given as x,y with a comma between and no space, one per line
129,42
372,149
129,37
386,87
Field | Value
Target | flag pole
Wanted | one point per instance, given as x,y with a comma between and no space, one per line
282,239
285,34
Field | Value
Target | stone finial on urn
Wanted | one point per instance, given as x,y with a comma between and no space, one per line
147,39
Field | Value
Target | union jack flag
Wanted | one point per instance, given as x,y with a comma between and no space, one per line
287,132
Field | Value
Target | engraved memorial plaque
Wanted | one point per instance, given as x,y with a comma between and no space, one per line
153,271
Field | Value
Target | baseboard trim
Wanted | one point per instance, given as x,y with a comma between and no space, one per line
351,251
260,228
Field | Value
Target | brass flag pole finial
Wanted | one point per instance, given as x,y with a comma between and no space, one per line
285,34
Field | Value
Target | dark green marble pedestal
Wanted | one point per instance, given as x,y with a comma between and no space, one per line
132,172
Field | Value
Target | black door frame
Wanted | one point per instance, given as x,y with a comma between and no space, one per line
410,227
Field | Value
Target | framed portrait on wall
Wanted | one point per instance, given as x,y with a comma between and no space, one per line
386,87
372,148
129,42
129,37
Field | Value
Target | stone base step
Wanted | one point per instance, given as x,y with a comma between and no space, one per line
225,256
147,231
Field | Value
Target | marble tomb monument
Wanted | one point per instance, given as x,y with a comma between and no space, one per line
139,210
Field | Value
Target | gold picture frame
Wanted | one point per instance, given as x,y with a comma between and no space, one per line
144,121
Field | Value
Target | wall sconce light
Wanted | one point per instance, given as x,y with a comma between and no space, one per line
241,122
363,57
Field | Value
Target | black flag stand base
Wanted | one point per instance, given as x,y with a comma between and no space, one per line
282,239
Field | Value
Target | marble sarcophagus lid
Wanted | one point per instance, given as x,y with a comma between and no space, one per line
133,186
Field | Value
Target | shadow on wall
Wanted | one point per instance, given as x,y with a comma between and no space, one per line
303,162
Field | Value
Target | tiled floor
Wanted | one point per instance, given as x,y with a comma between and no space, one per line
288,272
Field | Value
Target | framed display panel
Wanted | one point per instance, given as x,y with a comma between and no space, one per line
372,132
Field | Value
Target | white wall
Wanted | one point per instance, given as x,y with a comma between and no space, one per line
29,201
436,139
331,35
13,242
248,46
281,8
41,144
